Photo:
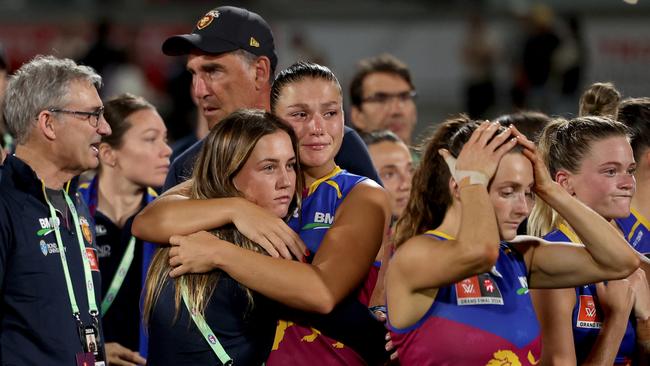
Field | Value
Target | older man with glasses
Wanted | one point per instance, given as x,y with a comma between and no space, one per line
49,273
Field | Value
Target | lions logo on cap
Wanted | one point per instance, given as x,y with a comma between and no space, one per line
85,230
207,19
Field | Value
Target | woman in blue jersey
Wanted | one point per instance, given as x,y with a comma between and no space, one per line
457,286
251,155
591,159
134,158
343,221
635,113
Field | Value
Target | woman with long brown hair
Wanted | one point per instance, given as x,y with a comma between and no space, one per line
252,155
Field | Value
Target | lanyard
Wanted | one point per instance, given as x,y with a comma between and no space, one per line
90,287
205,329
119,277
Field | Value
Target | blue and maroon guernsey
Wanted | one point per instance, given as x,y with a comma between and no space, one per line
636,229
588,317
295,344
486,319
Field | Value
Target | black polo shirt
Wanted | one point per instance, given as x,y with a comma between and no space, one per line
245,333
36,322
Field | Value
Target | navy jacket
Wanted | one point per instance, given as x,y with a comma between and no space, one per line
36,322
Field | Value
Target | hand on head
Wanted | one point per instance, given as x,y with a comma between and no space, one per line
478,160
542,176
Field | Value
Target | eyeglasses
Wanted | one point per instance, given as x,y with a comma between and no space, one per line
91,117
385,98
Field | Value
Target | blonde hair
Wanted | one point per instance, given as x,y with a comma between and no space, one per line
563,145
225,151
600,99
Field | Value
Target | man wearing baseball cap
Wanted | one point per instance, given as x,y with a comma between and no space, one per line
232,59
231,56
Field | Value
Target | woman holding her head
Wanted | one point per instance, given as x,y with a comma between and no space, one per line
252,155
342,221
591,159
457,286
133,159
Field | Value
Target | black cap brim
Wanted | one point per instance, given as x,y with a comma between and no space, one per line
184,44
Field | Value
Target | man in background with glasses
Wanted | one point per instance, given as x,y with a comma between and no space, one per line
383,97
49,275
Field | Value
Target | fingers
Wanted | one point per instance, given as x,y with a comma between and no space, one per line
136,358
523,139
499,139
477,134
174,251
488,132
531,155
278,244
279,240
175,239
379,315
298,249
505,147
268,246
122,356
292,240
390,346
174,261
178,271
394,357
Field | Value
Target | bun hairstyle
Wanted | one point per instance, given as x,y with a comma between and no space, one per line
600,99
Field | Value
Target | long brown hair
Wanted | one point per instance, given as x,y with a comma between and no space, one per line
225,151
430,196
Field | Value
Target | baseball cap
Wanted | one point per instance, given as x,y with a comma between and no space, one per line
226,29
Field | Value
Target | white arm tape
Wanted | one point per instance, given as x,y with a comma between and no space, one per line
475,176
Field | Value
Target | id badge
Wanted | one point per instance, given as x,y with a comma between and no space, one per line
92,345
